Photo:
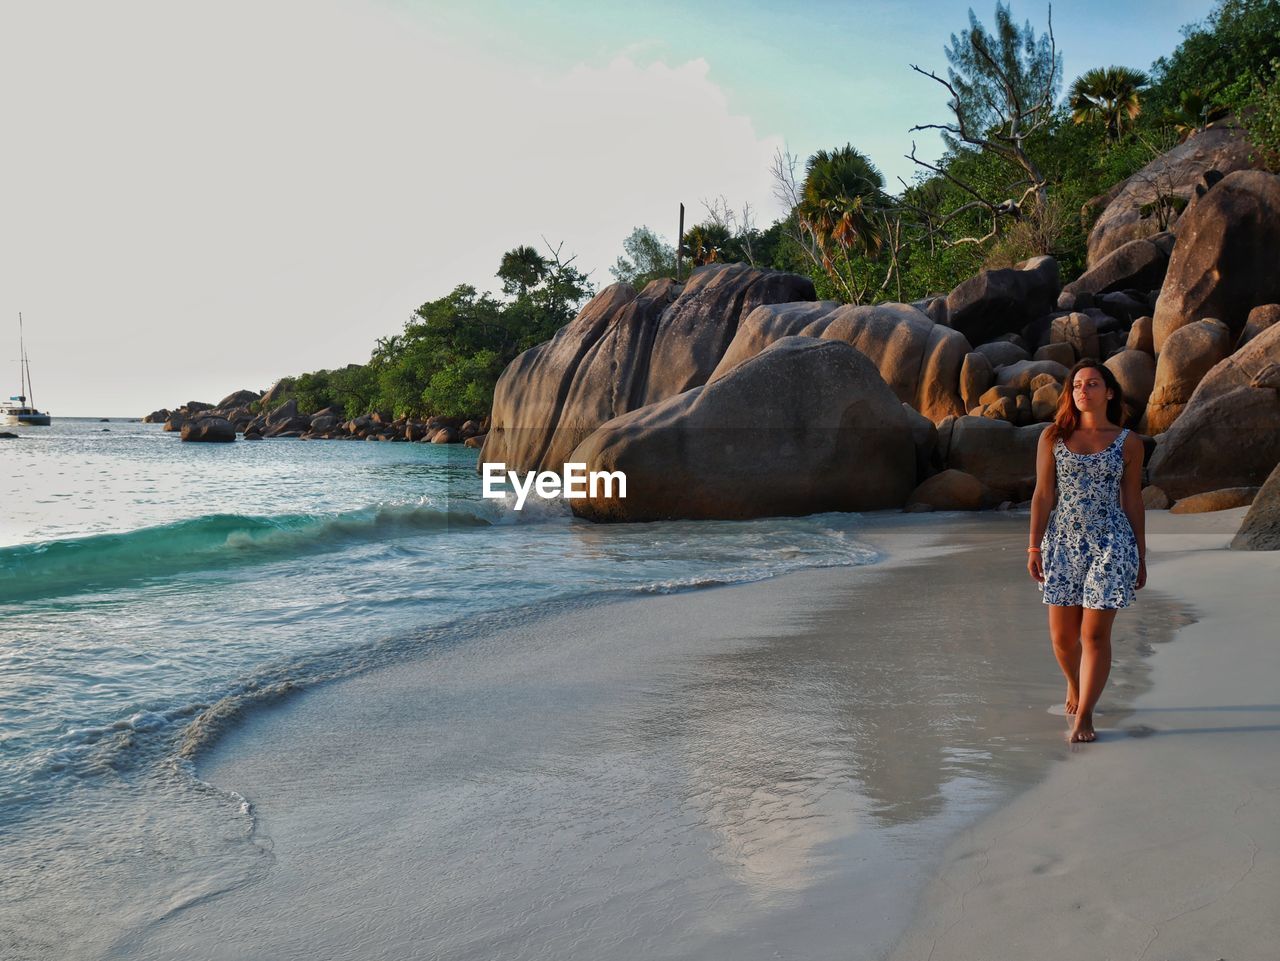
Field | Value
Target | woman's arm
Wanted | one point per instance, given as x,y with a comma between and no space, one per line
1042,502
1131,500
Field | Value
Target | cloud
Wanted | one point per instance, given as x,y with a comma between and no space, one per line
217,195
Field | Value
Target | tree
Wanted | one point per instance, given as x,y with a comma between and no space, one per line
646,257
1228,56
708,243
1003,87
1193,111
1110,95
841,194
522,268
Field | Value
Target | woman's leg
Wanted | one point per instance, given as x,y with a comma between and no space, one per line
1095,665
1064,629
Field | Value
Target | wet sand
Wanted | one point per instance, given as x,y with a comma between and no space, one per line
1162,840
758,771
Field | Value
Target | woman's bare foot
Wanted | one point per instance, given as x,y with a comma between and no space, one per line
1073,699
1083,731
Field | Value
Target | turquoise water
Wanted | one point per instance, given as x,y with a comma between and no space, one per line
152,591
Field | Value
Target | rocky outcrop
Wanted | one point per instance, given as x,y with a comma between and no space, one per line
1260,530
1135,208
1224,264
623,351
833,437
1003,301
209,430
157,416
917,358
1228,435
1190,353
286,421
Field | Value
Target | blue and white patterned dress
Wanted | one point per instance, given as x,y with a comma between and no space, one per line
1089,553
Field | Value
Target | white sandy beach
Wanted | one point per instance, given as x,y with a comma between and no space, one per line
711,775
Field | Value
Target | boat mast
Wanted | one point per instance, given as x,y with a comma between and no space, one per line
31,399
24,369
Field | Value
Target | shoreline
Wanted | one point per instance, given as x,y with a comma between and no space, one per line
786,837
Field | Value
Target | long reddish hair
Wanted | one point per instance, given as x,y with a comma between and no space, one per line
1067,417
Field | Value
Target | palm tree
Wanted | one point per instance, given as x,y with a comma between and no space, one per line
839,200
707,243
522,267
1110,95
1195,111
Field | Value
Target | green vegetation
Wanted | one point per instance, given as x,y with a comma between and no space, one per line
1021,176
447,359
1023,170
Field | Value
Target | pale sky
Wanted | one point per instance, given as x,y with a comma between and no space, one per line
203,197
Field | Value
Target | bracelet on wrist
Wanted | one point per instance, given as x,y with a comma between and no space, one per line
1033,550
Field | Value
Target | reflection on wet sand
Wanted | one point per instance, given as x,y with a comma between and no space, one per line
876,715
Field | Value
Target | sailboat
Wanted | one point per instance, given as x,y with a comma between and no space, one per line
20,412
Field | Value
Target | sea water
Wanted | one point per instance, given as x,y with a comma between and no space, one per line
152,592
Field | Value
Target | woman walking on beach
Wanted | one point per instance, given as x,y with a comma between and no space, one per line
1089,554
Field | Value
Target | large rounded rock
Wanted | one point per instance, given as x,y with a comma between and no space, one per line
771,322
241,398
953,490
1225,499
1131,209
1077,329
996,302
1141,337
924,435
832,437
1136,372
1260,318
624,350
1019,375
1002,353
1190,353
1137,265
1225,262
999,454
917,358
217,430
1229,433
284,412
977,375
1260,530
1059,352
288,426
1044,402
